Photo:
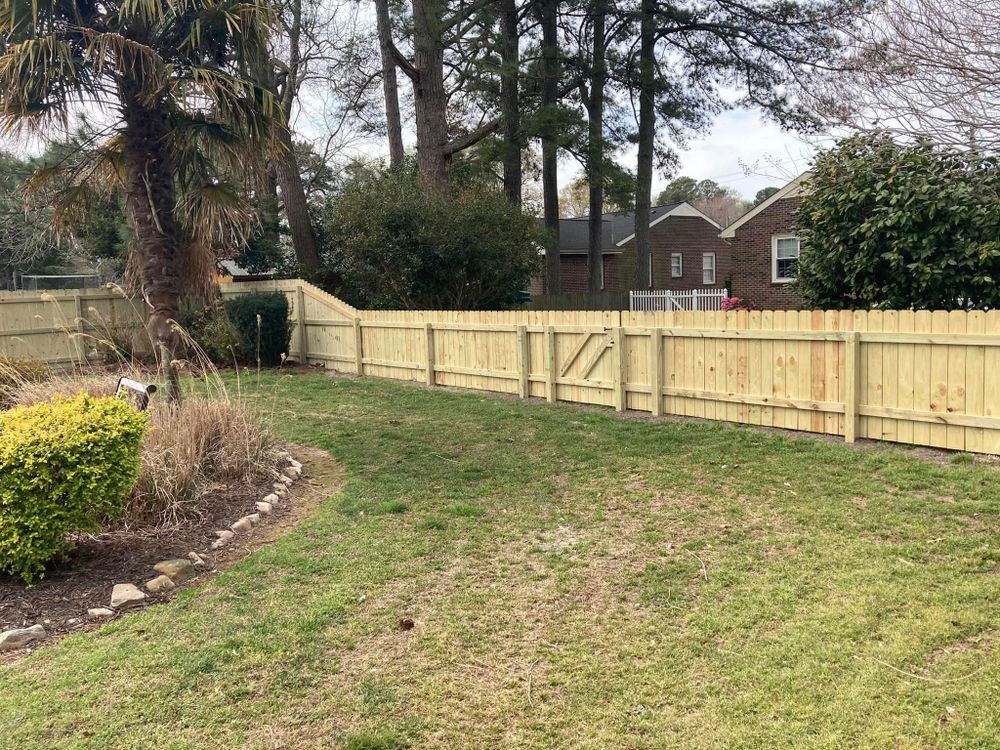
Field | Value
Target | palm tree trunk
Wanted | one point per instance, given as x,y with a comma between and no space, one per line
151,200
647,134
393,120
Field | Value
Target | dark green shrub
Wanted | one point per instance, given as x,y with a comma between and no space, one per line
210,329
16,372
261,320
393,244
65,466
899,226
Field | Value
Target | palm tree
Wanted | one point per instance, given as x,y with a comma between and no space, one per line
186,123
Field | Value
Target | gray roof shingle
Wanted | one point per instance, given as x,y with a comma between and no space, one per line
574,233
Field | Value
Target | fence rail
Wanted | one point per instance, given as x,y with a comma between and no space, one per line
915,377
695,300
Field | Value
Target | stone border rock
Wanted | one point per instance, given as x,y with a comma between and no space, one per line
171,573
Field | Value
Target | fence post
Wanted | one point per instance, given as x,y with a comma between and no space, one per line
620,372
550,364
656,371
300,304
359,354
852,384
694,300
80,348
524,357
429,343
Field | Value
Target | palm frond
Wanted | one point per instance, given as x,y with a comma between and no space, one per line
115,53
217,214
39,77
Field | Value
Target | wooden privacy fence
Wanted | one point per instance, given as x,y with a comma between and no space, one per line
63,326
916,377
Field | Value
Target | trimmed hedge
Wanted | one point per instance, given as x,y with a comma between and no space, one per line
212,331
65,466
267,341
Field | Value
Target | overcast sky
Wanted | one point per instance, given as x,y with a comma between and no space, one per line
746,153
742,151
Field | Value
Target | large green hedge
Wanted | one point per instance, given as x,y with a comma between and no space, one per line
901,225
261,320
65,466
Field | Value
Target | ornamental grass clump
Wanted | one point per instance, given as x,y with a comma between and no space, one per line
191,447
15,373
65,466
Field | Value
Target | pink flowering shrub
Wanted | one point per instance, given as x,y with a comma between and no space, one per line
734,303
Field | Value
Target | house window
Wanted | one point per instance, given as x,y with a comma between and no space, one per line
784,258
676,265
708,268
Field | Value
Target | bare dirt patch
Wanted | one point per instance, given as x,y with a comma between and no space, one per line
84,579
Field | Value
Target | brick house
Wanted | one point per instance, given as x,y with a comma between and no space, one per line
685,251
765,249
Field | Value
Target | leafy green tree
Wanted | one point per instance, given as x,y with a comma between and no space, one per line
394,244
187,122
763,194
690,190
901,226
25,243
102,232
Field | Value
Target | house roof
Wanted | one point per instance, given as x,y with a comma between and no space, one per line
232,268
618,228
660,213
793,189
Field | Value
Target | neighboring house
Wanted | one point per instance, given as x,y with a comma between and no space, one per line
766,249
230,271
685,251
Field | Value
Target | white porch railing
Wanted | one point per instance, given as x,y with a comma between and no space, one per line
665,299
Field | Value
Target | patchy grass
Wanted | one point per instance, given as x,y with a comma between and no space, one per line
576,581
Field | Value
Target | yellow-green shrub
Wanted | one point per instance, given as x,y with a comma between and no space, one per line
67,465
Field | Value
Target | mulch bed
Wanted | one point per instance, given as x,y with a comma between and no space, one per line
85,578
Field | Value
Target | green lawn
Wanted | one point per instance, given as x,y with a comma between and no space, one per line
577,580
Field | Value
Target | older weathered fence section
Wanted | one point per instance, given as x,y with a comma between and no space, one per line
923,378
64,326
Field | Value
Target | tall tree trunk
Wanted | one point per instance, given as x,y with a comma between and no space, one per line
393,121
293,196
270,209
429,97
509,105
548,10
151,200
595,151
286,166
647,133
